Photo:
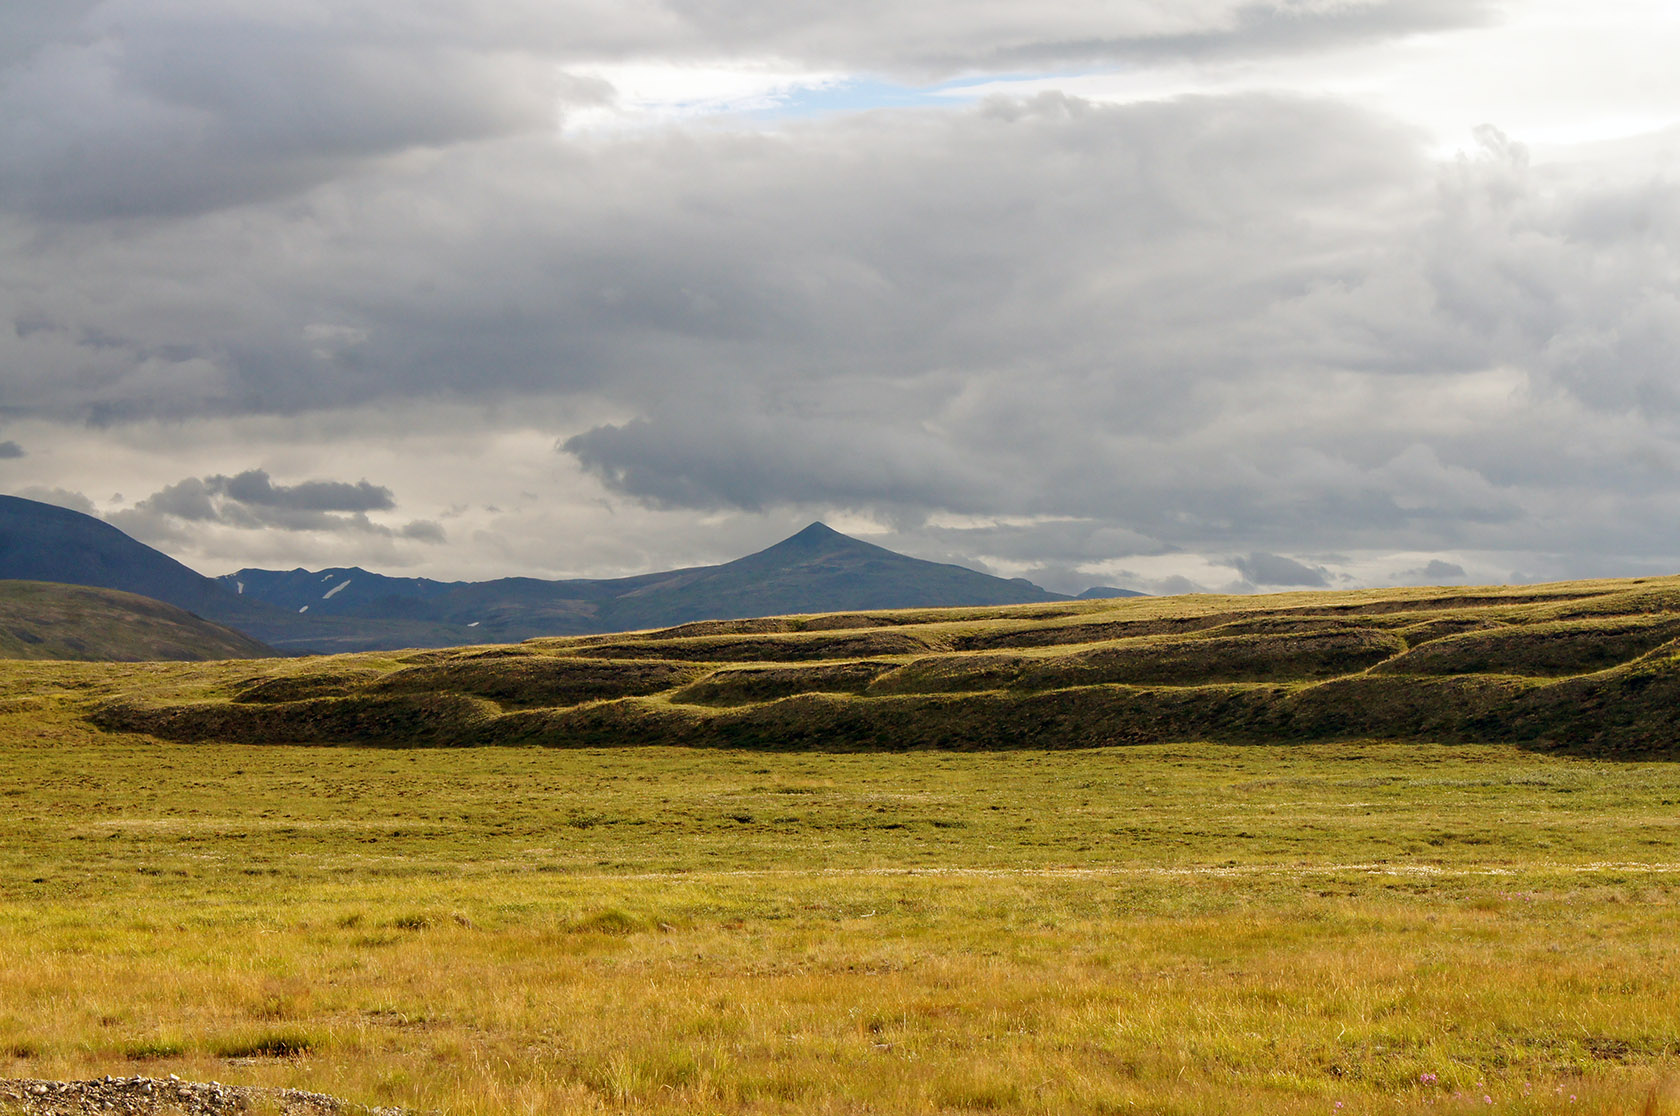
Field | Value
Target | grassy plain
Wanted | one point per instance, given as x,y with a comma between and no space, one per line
1425,857
1190,928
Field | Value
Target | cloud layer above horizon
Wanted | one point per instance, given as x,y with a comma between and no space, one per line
1165,296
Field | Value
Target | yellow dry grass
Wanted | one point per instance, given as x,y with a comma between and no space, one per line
1176,929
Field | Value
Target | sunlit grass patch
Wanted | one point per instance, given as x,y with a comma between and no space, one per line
288,1042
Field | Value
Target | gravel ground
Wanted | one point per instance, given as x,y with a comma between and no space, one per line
168,1096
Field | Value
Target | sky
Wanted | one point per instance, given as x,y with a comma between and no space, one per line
1169,295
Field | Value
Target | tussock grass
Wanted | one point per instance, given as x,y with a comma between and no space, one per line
795,647
1546,649
265,1043
535,681
1580,667
746,685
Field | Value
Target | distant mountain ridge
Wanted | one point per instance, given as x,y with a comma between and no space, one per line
351,609
817,570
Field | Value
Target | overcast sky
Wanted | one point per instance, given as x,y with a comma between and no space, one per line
1162,294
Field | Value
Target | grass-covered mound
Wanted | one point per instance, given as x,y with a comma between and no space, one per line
46,620
1580,666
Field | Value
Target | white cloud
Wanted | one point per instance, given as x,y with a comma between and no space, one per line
646,94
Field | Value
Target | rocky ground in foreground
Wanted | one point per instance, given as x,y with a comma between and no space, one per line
169,1096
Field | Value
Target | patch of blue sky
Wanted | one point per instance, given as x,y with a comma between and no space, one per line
863,94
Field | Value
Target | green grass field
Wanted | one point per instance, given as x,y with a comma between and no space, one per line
1269,920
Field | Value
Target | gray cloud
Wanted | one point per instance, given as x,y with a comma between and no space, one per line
1247,322
423,530
825,258
1175,586
1438,571
1275,569
1247,31
926,41
1242,324
11,450
27,26
139,108
145,109
251,501
60,497
254,488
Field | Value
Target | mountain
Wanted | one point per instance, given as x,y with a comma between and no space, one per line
817,570
44,542
351,609
47,620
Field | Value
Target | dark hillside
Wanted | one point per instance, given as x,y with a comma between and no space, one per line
42,542
44,620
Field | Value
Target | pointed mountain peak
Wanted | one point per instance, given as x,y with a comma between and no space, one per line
819,536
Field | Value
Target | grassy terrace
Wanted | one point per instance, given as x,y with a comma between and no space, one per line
857,896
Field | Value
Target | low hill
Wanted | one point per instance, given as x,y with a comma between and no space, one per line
1585,667
44,620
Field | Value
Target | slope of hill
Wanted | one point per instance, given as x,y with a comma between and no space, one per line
1588,667
44,620
819,569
